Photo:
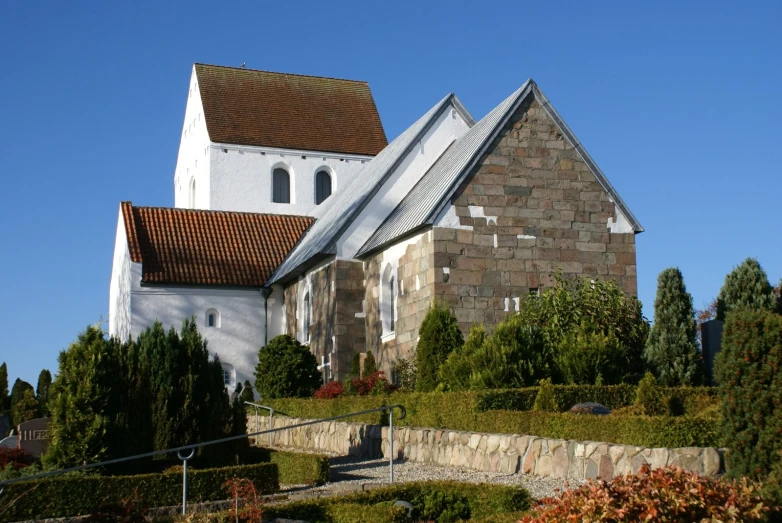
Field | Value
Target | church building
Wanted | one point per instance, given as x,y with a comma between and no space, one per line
293,214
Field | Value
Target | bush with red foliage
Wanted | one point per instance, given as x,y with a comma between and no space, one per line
18,458
332,389
669,494
375,383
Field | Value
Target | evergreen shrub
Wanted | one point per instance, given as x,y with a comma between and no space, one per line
286,369
439,336
746,287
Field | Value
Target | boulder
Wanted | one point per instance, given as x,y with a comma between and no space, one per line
590,408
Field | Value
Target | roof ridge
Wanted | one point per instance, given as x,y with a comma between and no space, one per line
282,74
218,211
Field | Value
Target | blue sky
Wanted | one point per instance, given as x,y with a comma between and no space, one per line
678,104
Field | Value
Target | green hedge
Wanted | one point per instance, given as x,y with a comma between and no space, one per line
643,431
82,494
295,468
483,500
612,396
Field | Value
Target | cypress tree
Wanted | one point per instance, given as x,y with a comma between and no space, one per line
4,403
355,366
17,393
746,287
672,348
42,390
369,364
439,335
25,407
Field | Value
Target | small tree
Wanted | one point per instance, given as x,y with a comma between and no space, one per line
672,348
746,287
586,356
42,390
17,393
546,400
355,366
370,366
4,398
439,335
247,392
286,369
25,408
750,385
456,372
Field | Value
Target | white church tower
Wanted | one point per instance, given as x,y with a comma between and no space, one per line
263,142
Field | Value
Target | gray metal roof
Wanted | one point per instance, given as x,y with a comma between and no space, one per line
345,205
433,192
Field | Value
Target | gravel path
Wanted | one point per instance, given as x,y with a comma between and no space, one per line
350,474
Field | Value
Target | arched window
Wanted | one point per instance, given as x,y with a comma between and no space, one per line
191,194
322,186
213,318
281,186
388,300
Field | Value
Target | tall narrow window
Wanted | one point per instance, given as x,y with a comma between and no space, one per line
387,300
322,186
281,186
305,327
393,301
191,194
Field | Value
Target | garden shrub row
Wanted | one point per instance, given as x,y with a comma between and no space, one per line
462,411
295,468
81,494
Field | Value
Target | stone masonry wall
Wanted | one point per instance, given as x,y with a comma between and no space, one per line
415,289
509,453
530,207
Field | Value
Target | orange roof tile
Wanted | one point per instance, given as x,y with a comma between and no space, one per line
249,107
184,246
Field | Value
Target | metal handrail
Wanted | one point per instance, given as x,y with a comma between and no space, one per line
271,419
178,450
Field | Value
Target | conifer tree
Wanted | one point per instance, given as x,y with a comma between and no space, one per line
4,398
247,392
439,335
286,369
17,393
25,407
672,348
42,390
369,364
355,366
746,287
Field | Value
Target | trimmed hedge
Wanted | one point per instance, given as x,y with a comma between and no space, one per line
643,431
483,500
295,468
81,494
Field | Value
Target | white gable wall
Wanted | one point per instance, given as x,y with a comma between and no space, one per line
119,287
193,159
241,177
447,128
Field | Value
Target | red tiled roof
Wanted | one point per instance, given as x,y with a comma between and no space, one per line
184,246
248,107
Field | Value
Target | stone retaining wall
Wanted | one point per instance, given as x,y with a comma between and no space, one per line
509,453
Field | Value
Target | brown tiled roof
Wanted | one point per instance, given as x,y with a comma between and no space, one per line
248,107
184,246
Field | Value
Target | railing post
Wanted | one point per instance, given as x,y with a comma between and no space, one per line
184,478
391,443
256,424
271,426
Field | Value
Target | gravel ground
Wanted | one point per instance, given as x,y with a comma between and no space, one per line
351,474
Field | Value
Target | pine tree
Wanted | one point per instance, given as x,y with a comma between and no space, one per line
369,364
746,287
4,398
672,348
42,390
439,335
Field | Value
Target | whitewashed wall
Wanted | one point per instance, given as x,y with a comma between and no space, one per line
193,158
448,127
242,329
241,177
119,287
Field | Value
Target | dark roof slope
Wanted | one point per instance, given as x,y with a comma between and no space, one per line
184,246
260,108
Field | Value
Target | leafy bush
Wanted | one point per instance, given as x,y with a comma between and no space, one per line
648,397
286,369
456,371
655,496
76,495
748,371
442,507
601,304
438,336
546,400
405,373
330,390
16,458
370,366
672,348
746,287
375,383
586,355
513,356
